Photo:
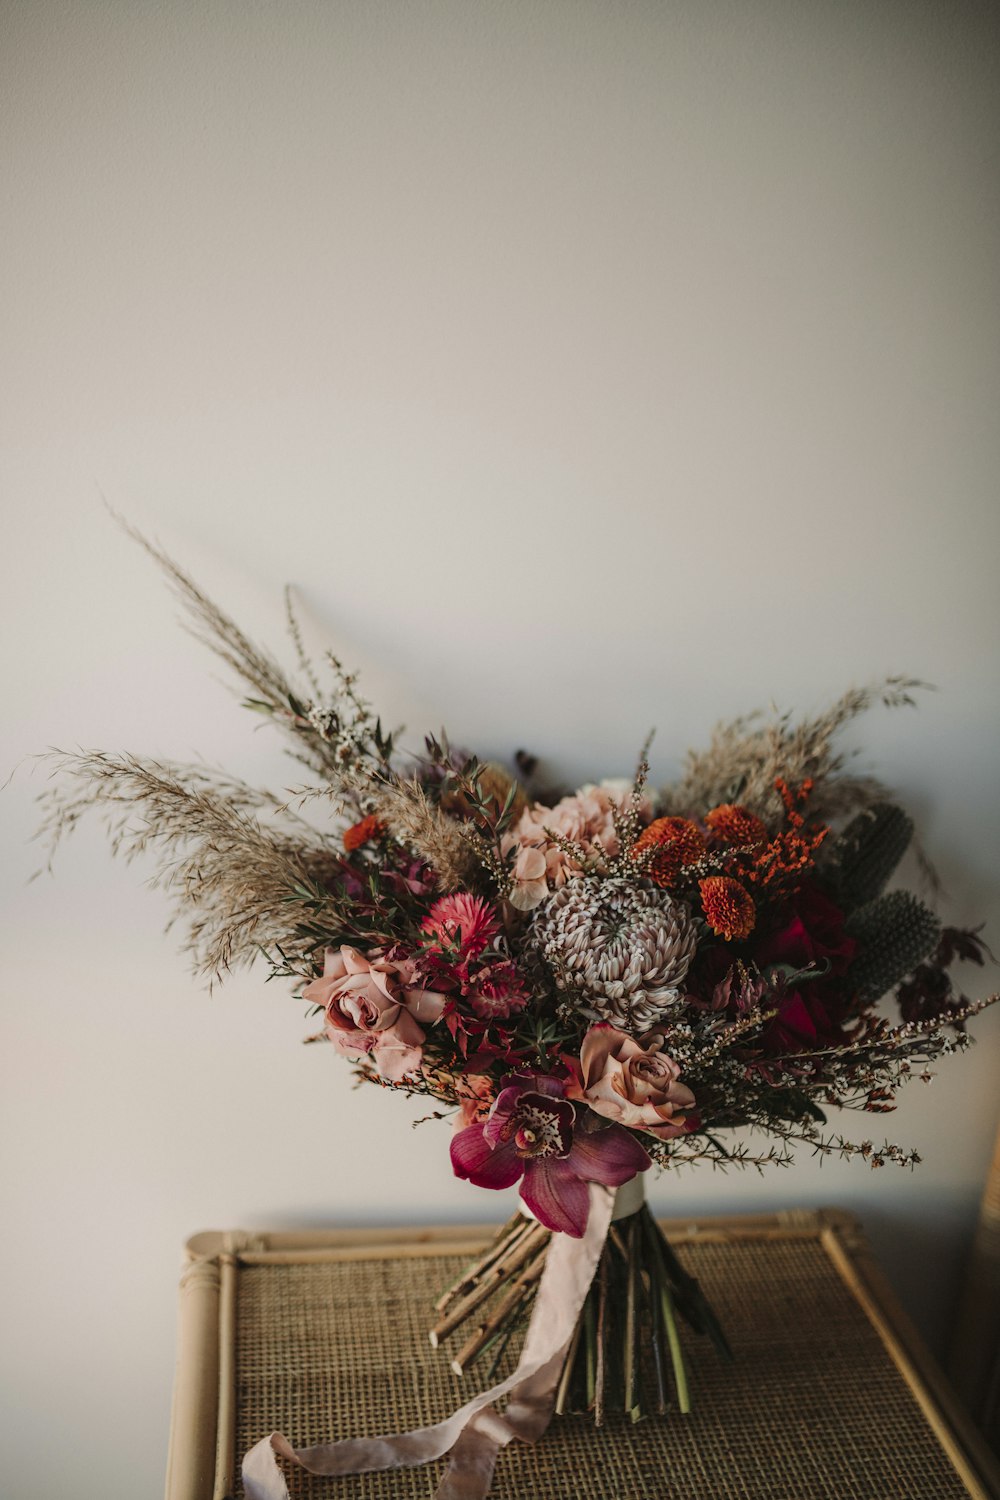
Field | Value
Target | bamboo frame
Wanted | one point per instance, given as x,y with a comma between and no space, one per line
974,1355
203,1415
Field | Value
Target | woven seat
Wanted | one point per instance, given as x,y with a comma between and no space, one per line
825,1398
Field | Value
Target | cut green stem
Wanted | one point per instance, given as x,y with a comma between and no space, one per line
676,1353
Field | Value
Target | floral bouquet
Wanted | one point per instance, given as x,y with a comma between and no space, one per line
590,982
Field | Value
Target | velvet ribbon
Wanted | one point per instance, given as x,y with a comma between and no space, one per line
473,1435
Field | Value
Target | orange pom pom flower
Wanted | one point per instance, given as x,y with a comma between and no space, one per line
728,907
732,824
676,842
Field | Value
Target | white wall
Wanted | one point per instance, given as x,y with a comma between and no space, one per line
587,366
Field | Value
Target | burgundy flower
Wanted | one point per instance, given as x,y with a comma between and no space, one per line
813,1013
803,1022
813,931
534,1132
498,992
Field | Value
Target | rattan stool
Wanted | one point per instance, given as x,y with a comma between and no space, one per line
324,1334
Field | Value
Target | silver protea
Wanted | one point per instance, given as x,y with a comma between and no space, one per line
622,949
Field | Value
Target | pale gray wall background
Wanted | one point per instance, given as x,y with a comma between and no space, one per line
587,366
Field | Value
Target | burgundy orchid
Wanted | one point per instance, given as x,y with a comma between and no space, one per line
535,1133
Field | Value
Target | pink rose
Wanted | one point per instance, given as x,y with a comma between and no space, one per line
372,1006
633,1083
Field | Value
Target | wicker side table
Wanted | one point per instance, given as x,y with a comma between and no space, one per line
324,1334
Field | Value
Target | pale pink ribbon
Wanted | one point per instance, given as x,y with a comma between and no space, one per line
476,1432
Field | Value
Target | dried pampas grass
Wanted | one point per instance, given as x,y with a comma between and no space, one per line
246,885
745,758
408,814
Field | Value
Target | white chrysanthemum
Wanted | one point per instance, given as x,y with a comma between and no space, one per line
622,948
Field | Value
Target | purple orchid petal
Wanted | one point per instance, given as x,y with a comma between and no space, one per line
564,1113
538,1083
503,1107
473,1158
611,1155
556,1196
541,1084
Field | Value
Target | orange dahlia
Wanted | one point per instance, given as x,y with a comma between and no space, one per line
676,841
732,824
728,907
365,832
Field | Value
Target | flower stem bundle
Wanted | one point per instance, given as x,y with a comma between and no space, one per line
625,1356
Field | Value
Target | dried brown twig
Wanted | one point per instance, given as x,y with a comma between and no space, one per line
332,735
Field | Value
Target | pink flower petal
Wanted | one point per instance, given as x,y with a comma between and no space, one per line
354,962
556,1195
317,992
529,865
525,895
350,1043
403,1030
667,1131
426,1005
333,964
473,1158
395,1058
383,978
611,1155
596,1048
503,1107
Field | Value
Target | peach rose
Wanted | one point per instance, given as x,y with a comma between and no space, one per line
530,886
371,1006
633,1083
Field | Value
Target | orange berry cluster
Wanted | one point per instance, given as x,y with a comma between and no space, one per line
780,865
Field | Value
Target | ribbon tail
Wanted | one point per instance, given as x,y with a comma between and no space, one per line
476,1432
569,1270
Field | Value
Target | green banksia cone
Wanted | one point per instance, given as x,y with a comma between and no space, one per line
868,851
894,933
